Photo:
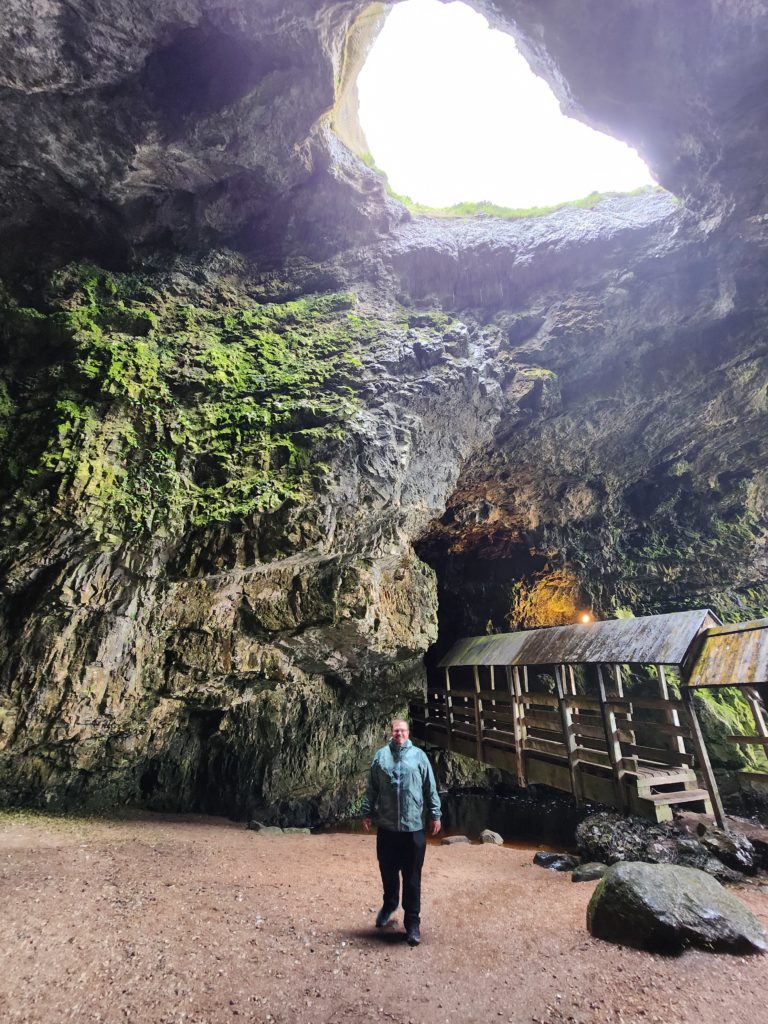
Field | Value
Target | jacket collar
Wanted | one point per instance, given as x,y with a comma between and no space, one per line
397,748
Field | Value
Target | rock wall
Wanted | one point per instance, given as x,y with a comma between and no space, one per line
256,416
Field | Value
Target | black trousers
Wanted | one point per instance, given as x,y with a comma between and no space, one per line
401,853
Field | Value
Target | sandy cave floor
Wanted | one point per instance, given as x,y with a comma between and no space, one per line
161,920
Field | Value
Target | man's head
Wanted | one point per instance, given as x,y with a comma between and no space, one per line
400,731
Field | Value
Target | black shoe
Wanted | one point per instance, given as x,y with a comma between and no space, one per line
412,935
384,917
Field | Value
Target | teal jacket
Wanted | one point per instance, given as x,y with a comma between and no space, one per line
401,784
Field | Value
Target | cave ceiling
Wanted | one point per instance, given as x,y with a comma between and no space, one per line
584,391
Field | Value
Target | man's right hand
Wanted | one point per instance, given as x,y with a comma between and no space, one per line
367,824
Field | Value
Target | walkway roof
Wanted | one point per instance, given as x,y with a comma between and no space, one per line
649,640
732,655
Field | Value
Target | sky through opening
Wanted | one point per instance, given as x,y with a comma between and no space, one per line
452,113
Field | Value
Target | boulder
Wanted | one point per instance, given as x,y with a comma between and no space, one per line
555,861
693,854
732,848
666,907
487,836
264,830
454,840
588,872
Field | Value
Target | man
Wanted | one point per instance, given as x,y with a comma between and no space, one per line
400,785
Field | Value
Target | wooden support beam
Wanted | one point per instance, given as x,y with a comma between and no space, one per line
612,740
670,714
518,725
703,757
478,714
448,709
566,720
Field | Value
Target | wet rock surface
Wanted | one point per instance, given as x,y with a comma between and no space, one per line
610,838
734,850
555,861
589,872
666,908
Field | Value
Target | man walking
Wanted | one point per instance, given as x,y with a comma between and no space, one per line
401,784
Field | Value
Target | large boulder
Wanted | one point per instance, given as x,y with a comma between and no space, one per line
666,907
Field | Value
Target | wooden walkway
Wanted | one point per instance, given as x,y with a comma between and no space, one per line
604,748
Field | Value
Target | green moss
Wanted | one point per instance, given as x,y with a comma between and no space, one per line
722,713
154,413
693,548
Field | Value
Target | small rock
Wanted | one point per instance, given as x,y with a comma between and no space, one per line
666,907
296,832
589,872
264,830
453,840
759,842
486,836
555,861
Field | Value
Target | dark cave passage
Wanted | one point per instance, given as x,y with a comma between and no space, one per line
475,588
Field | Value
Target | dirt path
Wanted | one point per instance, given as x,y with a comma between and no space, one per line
162,921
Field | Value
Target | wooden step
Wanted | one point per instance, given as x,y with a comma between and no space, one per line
683,796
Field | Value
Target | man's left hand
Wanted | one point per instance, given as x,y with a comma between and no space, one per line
434,827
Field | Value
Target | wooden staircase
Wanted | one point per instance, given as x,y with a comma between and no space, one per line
660,789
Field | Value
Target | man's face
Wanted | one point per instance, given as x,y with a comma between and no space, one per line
400,732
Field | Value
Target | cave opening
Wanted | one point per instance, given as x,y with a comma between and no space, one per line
453,115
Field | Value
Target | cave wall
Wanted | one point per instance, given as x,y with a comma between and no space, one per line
255,414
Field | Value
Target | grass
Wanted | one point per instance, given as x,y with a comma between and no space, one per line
488,209
485,208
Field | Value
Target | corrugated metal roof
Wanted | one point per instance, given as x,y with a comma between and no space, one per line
649,639
732,655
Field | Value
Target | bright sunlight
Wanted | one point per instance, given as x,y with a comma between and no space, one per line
452,112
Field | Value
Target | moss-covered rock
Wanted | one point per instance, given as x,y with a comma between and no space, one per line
666,908
153,414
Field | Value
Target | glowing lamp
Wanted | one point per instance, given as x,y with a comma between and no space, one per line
586,617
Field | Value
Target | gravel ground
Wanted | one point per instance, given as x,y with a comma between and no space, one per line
162,920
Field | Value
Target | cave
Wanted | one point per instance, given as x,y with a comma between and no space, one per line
271,439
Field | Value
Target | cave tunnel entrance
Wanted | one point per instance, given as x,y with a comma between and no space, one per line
493,576
453,114
475,586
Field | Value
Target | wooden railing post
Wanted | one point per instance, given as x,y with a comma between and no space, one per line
567,723
670,714
478,714
518,723
448,710
702,756
619,684
612,740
